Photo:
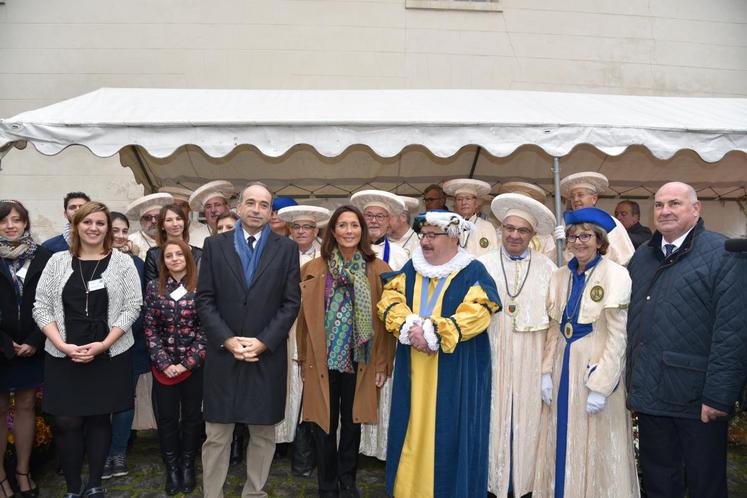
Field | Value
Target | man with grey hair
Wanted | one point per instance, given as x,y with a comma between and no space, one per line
687,348
248,296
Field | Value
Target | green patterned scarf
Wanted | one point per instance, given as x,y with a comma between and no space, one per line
343,273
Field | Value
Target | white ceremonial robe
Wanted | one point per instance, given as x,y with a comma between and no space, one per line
374,436
599,460
198,232
142,243
621,248
481,240
409,241
285,431
517,343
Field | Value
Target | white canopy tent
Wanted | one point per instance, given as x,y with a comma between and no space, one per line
331,143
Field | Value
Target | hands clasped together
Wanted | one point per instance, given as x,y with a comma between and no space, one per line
245,348
418,333
85,353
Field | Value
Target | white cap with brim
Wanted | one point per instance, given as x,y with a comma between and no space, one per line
139,207
379,198
591,180
178,193
218,188
292,214
533,212
470,186
524,188
411,203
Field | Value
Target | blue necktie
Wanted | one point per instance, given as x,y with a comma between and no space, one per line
668,250
516,258
250,242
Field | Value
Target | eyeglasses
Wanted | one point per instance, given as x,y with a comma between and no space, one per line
305,228
377,217
150,217
583,237
522,231
430,235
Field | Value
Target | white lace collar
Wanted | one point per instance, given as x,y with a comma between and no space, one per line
458,262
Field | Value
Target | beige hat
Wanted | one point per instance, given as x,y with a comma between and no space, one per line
478,188
526,188
291,214
380,198
178,193
526,208
411,203
139,207
218,188
596,182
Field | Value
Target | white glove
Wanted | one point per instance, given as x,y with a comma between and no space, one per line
595,402
547,389
559,232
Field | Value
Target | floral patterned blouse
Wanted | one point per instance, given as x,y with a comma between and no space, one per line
172,328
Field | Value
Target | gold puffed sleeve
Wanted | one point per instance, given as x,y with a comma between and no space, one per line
471,318
392,307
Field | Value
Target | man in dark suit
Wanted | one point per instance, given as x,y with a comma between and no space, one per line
629,214
61,242
248,296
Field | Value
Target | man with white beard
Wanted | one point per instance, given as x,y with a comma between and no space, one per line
517,338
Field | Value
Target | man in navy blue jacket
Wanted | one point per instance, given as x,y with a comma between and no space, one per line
61,242
687,348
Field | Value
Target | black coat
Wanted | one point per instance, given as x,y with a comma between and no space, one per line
237,391
153,262
639,234
687,327
25,330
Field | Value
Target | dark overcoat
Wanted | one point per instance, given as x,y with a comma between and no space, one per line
238,391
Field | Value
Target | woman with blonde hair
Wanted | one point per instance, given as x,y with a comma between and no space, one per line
86,302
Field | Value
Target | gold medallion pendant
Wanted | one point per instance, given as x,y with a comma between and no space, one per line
512,308
484,242
568,330
596,293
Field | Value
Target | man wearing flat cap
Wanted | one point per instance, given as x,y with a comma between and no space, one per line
378,207
439,307
400,231
146,210
303,222
517,339
467,193
582,190
212,198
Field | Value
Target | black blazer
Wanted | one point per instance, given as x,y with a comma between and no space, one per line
153,262
237,391
25,330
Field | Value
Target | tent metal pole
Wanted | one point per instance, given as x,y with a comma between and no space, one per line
559,244
474,162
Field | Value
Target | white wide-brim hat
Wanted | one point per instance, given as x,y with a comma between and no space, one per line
218,188
478,188
596,182
140,206
411,203
525,188
379,198
178,193
292,214
534,212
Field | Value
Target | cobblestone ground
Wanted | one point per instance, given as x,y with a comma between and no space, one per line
145,479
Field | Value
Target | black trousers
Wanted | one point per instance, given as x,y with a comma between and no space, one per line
172,403
338,463
674,447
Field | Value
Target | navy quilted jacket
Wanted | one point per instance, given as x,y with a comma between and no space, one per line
687,327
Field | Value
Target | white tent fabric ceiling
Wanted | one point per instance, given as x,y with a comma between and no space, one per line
331,143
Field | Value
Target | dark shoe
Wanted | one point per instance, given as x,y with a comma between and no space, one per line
173,479
349,491
107,474
237,446
188,474
33,490
119,466
281,449
97,492
303,460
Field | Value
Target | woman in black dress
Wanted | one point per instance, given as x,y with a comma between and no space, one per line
86,302
21,362
172,225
